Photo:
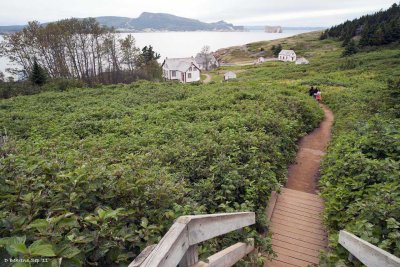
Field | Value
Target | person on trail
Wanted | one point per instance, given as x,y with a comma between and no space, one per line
318,95
311,91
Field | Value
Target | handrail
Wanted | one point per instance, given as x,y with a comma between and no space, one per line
179,244
367,253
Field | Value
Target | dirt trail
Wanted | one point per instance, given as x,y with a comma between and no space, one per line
208,78
303,174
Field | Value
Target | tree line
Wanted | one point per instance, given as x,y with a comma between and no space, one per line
80,49
380,28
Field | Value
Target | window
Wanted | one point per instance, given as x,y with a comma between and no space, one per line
190,69
189,76
173,73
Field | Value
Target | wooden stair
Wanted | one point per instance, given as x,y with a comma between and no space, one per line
298,233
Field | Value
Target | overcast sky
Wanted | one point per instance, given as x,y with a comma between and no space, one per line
239,12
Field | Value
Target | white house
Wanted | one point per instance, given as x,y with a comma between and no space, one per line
206,61
302,61
260,60
184,70
287,55
229,75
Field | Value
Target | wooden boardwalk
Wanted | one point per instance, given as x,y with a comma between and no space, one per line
298,234
296,225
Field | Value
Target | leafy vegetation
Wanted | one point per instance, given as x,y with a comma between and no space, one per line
360,174
95,175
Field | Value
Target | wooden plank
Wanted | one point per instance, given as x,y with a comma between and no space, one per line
291,199
367,253
302,209
300,213
277,263
297,242
298,217
292,261
271,204
277,228
301,194
300,237
191,230
297,255
305,251
227,257
202,228
142,256
171,248
300,227
300,205
191,257
278,217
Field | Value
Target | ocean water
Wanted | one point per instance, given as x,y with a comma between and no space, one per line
187,44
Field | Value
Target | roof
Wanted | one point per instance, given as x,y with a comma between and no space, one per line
201,58
230,73
181,64
287,53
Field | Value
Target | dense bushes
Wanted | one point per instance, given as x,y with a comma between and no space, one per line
361,172
95,175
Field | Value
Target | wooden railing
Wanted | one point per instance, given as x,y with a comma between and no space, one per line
179,245
367,253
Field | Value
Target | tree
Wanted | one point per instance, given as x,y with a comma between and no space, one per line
350,49
276,49
148,55
206,56
38,74
2,77
129,52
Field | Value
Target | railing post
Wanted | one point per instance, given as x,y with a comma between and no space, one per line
190,258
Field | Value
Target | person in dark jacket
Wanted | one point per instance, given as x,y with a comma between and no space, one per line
312,91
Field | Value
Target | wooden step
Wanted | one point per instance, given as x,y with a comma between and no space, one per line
297,208
294,220
288,214
296,254
279,207
294,200
300,194
300,237
297,242
304,250
300,227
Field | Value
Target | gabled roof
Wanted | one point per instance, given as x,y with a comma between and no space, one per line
287,53
180,64
201,58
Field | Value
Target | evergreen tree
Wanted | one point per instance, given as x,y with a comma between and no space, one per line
350,49
38,75
276,49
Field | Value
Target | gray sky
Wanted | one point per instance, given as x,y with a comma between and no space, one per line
239,12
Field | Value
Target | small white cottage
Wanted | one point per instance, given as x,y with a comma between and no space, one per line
184,70
302,61
260,60
287,55
229,75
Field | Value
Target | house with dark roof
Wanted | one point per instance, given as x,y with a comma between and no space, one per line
185,70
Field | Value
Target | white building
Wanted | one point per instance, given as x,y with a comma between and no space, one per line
184,70
302,61
229,75
206,61
260,60
287,55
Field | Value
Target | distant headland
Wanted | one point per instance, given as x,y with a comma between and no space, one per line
151,22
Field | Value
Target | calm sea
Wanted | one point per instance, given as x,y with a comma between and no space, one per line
186,44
